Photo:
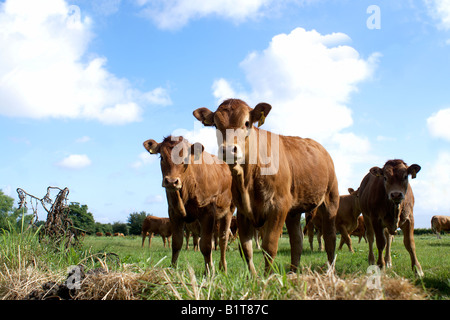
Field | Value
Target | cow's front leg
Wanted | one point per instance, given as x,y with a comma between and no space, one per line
177,237
408,241
207,225
246,232
224,228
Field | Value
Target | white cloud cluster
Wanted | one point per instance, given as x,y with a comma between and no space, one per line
75,161
440,10
308,79
174,14
439,124
432,191
42,72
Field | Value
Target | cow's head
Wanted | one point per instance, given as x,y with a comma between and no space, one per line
175,154
234,121
395,174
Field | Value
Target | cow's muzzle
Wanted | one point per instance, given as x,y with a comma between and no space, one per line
172,183
396,197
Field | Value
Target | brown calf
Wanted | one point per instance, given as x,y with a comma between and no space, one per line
387,202
360,230
347,217
194,229
197,187
275,179
156,225
440,223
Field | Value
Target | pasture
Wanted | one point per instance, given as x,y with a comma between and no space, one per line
433,255
128,271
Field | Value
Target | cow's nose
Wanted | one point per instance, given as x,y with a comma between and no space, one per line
397,196
172,183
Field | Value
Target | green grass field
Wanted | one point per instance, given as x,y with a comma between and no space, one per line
433,254
128,271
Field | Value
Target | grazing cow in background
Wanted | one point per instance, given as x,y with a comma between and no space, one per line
99,234
347,217
313,222
197,187
275,179
387,202
156,225
360,230
440,223
194,229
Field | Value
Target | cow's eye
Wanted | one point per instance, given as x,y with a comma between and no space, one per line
247,124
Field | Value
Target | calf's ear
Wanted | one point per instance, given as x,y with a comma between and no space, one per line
260,112
351,190
152,146
376,171
413,170
197,149
205,116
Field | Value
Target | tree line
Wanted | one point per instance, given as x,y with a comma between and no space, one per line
83,220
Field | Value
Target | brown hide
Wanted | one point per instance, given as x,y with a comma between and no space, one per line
440,223
347,217
299,177
198,187
360,230
387,202
156,225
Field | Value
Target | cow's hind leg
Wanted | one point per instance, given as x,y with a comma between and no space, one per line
328,210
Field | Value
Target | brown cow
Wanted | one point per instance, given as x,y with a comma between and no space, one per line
387,202
194,229
347,217
440,223
360,230
197,187
313,222
275,179
156,225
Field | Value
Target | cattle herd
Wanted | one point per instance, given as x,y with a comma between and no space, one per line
271,180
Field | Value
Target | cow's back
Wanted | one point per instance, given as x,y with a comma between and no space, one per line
311,170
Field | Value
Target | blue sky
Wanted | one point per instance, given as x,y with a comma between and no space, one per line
84,83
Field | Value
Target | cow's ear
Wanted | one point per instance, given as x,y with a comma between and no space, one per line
351,190
197,149
376,171
260,112
205,116
152,146
413,170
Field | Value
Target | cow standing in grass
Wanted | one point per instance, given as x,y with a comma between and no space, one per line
275,179
387,202
156,225
198,187
440,223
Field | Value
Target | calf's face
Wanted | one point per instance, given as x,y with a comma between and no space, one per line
175,153
395,174
234,123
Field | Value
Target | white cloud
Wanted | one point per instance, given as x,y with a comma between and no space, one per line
439,124
440,10
431,187
174,14
75,161
83,139
144,158
308,79
42,72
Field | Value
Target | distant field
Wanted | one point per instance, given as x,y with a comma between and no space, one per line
433,254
